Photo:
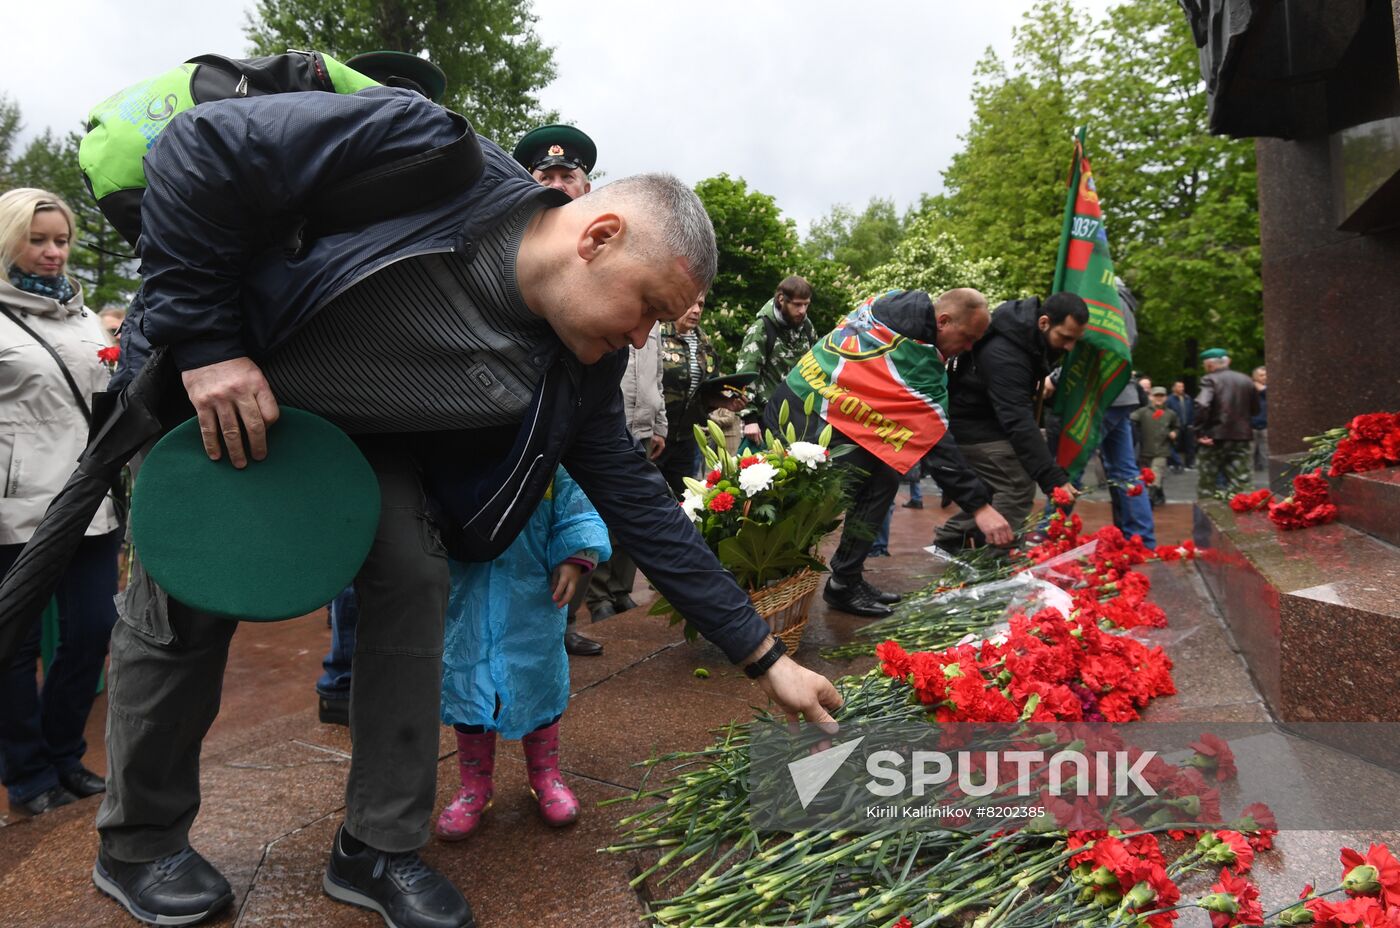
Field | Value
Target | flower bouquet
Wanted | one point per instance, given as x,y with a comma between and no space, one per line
764,514
1368,442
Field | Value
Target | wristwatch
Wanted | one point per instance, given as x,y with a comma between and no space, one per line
770,657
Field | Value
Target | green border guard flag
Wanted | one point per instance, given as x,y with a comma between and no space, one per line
1096,370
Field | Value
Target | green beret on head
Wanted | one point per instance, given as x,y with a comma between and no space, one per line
275,540
554,145
400,69
1211,353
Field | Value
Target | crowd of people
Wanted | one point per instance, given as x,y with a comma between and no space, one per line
541,364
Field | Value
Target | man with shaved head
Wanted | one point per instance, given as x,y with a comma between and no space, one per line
878,379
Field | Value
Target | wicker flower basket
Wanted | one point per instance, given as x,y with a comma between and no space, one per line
785,604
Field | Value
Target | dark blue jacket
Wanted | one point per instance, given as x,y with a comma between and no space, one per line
1184,406
225,177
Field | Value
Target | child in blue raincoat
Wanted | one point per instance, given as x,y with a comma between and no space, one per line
504,669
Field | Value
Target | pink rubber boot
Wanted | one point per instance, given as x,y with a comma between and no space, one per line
558,804
476,760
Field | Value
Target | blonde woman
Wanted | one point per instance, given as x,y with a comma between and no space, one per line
49,368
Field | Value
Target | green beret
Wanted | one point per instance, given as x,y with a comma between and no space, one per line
1210,353
555,145
400,69
275,540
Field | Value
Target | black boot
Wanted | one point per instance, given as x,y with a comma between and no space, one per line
177,889
82,782
852,598
879,595
406,892
579,646
47,801
332,710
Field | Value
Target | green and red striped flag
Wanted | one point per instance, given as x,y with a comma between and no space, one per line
1096,370
884,391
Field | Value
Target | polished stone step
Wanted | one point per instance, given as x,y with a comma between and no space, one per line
1370,502
1315,613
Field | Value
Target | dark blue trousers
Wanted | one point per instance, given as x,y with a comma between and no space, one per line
41,731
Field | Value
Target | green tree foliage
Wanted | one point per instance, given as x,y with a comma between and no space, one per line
1005,191
859,241
10,124
835,289
51,163
757,249
928,258
1180,204
494,62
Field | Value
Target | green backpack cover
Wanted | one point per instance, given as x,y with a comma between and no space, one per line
124,126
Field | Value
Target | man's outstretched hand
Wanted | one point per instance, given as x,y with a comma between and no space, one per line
994,526
229,398
800,692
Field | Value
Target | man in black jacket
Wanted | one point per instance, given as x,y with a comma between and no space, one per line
499,317
994,392
943,328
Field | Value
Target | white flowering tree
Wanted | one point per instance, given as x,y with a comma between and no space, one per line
930,259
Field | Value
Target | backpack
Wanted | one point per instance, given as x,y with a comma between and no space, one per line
122,128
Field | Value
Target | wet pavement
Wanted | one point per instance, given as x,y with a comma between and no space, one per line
273,776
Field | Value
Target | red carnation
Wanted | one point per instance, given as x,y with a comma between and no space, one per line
1258,824
749,460
1213,754
1249,502
110,355
1356,456
1390,447
1158,413
1227,847
1062,497
721,502
1233,901
1386,878
713,477
1149,476
1373,426
893,659
1310,490
1135,490
904,922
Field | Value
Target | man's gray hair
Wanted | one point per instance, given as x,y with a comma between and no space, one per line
675,220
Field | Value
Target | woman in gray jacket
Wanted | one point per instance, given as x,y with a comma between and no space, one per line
49,368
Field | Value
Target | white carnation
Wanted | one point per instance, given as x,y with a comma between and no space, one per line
692,504
757,477
807,452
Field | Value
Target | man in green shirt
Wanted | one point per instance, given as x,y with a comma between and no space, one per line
1157,428
775,342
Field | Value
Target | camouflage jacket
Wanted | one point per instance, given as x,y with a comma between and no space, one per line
788,345
682,398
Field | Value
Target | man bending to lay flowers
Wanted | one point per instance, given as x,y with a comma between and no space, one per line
878,379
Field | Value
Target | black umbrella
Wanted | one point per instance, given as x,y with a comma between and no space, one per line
122,424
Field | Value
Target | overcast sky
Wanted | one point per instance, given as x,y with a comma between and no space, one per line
813,101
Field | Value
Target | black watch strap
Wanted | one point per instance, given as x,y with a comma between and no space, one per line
770,657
